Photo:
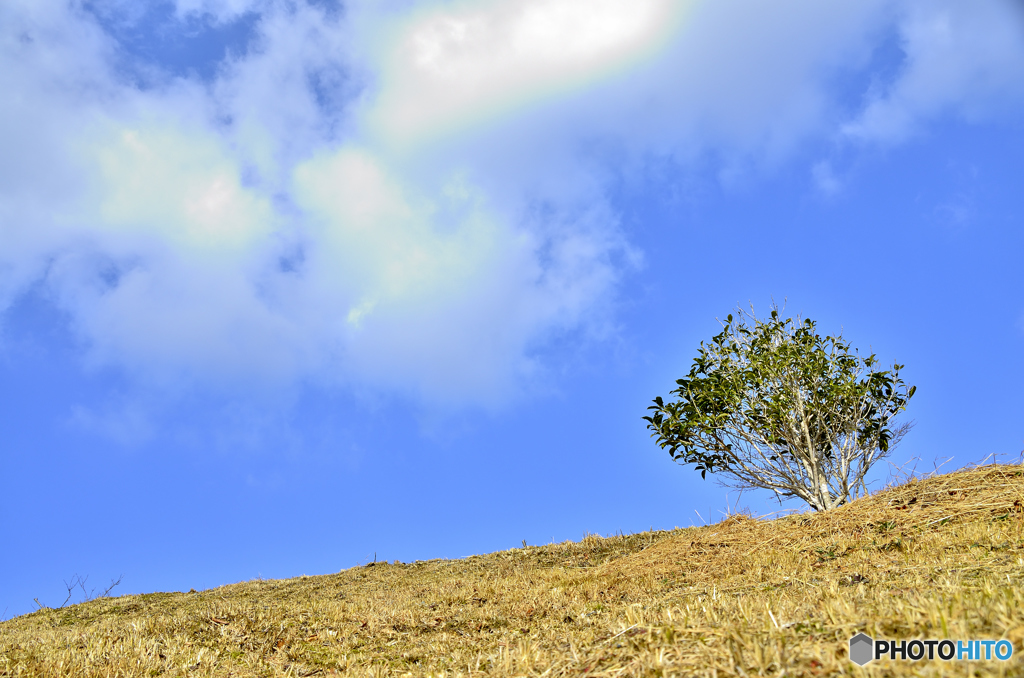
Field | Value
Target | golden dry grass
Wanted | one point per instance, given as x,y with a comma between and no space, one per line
941,557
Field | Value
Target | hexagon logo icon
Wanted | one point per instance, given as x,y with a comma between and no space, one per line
861,649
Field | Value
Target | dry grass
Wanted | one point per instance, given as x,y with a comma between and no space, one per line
934,558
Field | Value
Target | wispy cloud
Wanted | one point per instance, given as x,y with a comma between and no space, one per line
825,178
964,60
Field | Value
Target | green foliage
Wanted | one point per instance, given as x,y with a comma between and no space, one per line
773,404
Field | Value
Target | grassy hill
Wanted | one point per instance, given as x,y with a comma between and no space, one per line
936,558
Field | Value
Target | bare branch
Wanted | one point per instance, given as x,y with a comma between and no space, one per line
113,583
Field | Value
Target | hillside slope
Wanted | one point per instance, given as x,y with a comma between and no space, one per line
935,558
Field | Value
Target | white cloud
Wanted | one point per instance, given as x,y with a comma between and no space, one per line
749,78
440,291
183,245
292,92
176,185
448,67
741,81
410,198
966,59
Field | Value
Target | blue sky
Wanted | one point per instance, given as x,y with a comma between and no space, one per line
289,285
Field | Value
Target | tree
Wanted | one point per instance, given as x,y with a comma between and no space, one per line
771,404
